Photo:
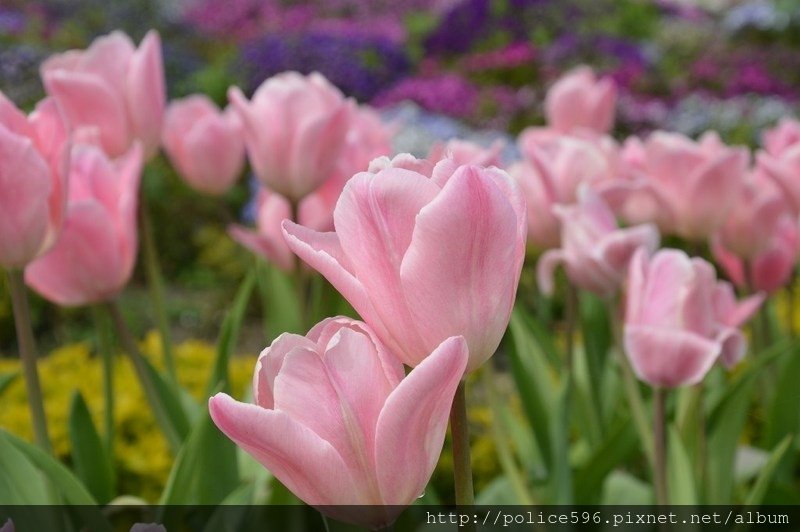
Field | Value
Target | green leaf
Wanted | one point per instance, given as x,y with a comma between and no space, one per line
20,481
725,424
205,470
756,495
620,442
282,312
68,486
6,379
680,475
532,375
561,480
89,456
783,414
623,489
498,492
175,422
229,514
597,342
229,335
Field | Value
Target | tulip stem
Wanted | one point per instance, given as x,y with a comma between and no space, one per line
660,445
462,466
301,277
27,352
570,322
635,401
143,373
155,285
501,438
106,351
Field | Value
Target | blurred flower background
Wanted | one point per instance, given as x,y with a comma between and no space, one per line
436,69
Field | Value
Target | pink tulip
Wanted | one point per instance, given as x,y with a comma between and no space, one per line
687,188
782,137
295,129
784,171
467,152
34,156
8,527
679,319
94,257
422,259
579,100
204,145
594,250
112,89
338,423
367,139
553,169
772,266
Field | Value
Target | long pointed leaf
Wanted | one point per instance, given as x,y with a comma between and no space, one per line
89,456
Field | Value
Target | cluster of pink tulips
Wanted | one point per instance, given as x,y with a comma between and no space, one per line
428,251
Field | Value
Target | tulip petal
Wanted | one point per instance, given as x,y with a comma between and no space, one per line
87,102
412,425
26,182
269,364
669,358
546,269
305,463
146,92
84,266
263,245
465,245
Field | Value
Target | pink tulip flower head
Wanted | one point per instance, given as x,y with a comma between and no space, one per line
295,129
94,257
784,170
34,161
594,250
679,320
336,421
205,145
8,526
688,188
782,137
424,258
553,168
113,89
579,100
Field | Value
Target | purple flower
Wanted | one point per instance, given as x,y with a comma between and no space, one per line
447,94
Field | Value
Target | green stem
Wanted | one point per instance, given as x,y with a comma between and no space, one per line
462,466
301,278
104,345
27,352
145,379
501,438
570,325
155,285
660,445
631,385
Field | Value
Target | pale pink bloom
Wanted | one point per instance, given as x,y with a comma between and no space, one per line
553,168
594,250
93,258
422,259
34,157
8,526
338,423
782,137
772,266
467,152
367,139
679,320
578,100
295,130
205,145
784,170
687,188
112,88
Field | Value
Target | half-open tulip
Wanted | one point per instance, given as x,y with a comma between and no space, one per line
679,320
93,258
204,144
594,250
422,259
579,100
112,88
686,187
338,423
554,166
295,128
34,159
